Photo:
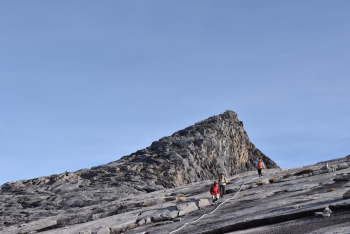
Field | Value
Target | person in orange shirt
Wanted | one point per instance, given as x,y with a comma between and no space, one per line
261,166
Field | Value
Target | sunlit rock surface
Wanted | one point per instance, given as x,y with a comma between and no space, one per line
161,188
284,201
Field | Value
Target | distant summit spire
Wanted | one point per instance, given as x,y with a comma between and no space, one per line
198,152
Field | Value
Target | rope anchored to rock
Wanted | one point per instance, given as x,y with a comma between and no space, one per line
216,207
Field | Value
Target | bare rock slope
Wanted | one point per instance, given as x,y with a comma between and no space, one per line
196,153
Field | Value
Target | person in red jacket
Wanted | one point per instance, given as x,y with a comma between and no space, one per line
215,192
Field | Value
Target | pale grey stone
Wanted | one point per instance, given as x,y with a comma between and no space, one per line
141,222
148,220
202,203
186,207
265,181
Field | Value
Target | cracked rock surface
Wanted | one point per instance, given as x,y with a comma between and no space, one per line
196,153
266,205
164,186
269,205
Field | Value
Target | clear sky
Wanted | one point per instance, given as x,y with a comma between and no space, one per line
84,83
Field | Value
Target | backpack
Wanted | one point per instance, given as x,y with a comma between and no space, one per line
257,163
214,190
222,180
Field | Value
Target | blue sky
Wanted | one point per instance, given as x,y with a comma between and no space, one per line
84,83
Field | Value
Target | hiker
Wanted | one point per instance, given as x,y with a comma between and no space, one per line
222,184
215,192
261,166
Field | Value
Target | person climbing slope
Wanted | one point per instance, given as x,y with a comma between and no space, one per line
261,166
222,184
214,191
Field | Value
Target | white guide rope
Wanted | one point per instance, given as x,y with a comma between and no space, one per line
216,207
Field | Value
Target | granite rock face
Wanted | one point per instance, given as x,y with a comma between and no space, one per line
196,153
199,152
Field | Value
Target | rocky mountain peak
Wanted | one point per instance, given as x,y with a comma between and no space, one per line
215,145
196,153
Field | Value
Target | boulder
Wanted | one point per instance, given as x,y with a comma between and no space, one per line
141,222
105,230
148,220
186,207
202,203
265,181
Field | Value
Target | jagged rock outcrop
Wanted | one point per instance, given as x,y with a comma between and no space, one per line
199,152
